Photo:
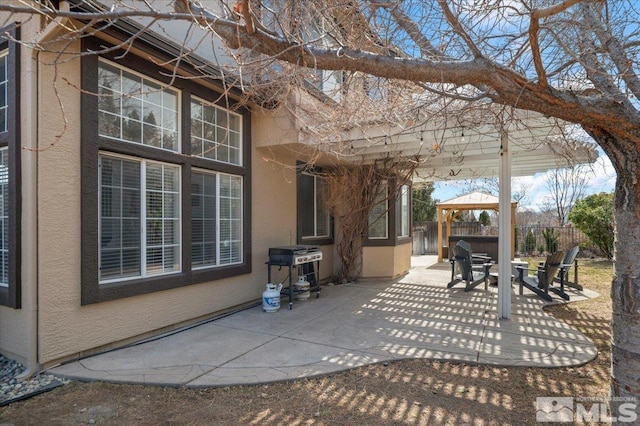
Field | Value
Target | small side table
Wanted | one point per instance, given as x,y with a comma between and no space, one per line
493,277
515,263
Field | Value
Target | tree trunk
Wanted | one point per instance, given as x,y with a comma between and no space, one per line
625,289
625,292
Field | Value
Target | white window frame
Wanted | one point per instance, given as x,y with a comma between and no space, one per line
218,241
144,272
203,103
4,85
403,211
4,219
164,87
382,198
316,202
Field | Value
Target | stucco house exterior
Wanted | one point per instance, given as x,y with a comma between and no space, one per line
135,202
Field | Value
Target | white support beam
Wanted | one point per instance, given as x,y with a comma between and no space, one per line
504,232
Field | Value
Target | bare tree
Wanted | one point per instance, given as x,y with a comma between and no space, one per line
367,186
576,60
566,186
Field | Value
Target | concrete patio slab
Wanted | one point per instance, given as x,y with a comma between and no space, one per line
348,326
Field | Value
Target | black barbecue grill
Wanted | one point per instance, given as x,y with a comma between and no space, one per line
302,258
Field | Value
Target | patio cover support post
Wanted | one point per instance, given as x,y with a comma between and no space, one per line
505,229
439,217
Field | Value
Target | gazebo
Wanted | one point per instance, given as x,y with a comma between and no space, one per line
448,210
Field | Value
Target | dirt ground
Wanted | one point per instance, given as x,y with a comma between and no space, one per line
412,392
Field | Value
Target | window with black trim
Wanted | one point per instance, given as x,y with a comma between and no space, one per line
169,174
403,212
314,220
390,217
10,211
379,216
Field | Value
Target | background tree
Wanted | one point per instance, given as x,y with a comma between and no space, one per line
593,215
566,186
550,236
484,218
576,60
424,207
529,243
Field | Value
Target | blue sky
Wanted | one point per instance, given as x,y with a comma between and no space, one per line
603,180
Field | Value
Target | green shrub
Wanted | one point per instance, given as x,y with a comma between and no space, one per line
529,243
550,240
593,215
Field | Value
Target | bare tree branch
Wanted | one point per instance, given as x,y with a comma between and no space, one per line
407,24
615,50
457,27
534,28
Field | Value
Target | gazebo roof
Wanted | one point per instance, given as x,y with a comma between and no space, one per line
471,201
448,210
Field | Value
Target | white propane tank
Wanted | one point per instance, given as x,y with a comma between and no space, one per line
271,298
302,287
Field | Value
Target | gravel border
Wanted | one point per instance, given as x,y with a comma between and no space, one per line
12,389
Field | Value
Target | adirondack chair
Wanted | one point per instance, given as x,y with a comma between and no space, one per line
563,273
540,283
466,264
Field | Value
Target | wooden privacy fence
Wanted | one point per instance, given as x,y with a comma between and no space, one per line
530,239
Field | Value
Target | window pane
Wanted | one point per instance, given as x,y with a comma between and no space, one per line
230,225
135,109
203,219
306,207
3,65
4,218
162,218
322,214
402,212
119,218
215,133
122,218
315,217
4,83
378,217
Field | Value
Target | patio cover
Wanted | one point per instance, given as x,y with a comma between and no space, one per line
450,209
454,151
464,145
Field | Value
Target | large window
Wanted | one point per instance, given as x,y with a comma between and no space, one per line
379,216
314,220
318,220
390,218
171,181
136,109
403,212
216,223
215,133
139,218
10,208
